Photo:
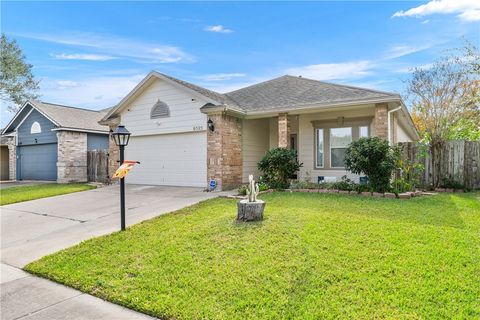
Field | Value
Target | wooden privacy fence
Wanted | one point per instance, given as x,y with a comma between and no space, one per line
97,166
454,163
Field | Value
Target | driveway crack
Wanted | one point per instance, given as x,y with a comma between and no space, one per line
49,215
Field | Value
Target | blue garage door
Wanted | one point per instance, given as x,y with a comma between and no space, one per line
38,162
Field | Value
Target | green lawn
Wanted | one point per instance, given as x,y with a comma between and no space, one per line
26,193
315,256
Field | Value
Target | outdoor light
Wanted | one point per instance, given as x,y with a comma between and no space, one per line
210,125
121,136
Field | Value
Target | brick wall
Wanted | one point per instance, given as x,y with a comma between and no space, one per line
113,155
381,122
283,131
12,158
224,151
72,157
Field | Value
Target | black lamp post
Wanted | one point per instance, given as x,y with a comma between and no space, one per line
121,136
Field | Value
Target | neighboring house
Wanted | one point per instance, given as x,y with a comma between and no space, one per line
49,142
171,138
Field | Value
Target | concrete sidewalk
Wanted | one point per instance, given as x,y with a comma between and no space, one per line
33,229
24,296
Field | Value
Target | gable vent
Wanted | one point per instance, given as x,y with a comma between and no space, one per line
160,110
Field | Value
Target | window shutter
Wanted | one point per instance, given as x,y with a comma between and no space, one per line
160,110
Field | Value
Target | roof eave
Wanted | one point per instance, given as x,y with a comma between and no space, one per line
210,109
312,107
81,130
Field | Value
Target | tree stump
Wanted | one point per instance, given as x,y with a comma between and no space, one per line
250,211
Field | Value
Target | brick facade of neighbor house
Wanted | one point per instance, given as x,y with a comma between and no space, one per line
12,161
113,155
72,157
224,151
381,121
283,131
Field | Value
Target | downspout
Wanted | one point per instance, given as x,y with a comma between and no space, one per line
389,122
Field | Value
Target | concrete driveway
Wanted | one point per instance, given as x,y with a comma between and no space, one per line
33,229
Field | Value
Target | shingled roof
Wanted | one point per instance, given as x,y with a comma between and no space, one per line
289,92
284,93
64,117
220,98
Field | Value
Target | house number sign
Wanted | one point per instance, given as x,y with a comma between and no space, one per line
197,128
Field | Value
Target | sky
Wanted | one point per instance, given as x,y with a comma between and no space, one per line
91,54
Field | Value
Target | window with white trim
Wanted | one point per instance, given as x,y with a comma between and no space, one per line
340,138
35,128
363,132
319,143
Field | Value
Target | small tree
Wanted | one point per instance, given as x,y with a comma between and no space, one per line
278,165
374,158
17,83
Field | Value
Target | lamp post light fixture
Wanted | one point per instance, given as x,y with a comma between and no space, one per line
121,136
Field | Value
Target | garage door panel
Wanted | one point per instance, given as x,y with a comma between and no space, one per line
38,162
173,159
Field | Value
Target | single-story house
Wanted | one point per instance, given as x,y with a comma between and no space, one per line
48,141
186,135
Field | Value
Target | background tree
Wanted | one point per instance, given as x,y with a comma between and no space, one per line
445,97
17,83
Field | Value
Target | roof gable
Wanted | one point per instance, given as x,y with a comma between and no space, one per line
61,116
210,96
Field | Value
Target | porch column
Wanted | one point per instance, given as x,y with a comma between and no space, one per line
12,158
381,121
283,131
224,151
113,151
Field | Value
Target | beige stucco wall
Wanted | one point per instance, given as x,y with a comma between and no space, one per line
256,139
398,131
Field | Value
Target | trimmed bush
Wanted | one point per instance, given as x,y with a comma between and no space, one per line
278,166
375,158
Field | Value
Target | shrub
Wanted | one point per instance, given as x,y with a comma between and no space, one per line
303,185
401,185
344,184
375,158
278,166
242,190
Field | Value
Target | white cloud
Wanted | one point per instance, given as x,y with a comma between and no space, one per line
95,92
63,84
467,10
218,28
220,76
398,51
333,71
470,15
425,21
82,56
108,45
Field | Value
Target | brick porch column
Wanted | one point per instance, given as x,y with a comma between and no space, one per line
283,131
12,158
381,121
224,151
113,151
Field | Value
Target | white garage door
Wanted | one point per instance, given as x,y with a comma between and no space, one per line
169,159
